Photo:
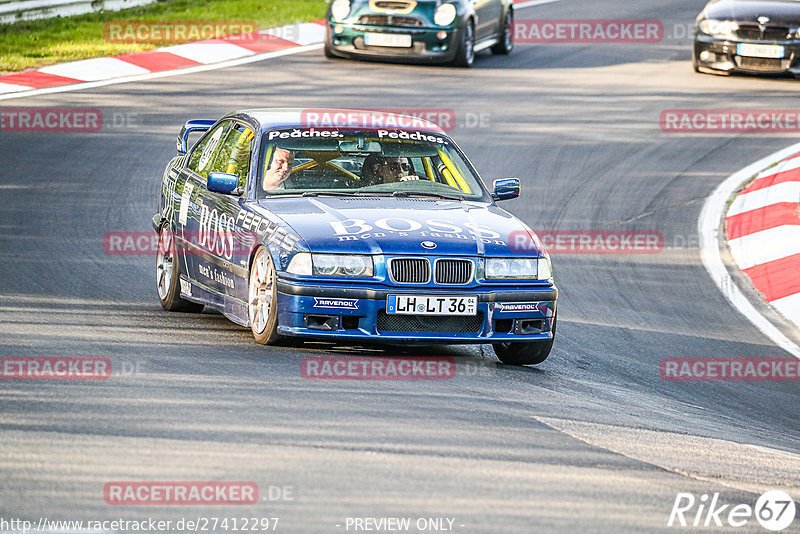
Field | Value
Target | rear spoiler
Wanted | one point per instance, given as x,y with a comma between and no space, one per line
195,125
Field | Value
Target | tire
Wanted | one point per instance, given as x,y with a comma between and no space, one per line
329,52
168,272
532,353
262,301
506,43
328,48
465,56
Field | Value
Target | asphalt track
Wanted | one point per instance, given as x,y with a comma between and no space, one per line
593,440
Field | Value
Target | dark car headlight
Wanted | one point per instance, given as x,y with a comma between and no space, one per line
723,29
445,15
340,9
348,265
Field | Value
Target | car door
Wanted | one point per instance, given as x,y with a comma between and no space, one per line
222,215
193,237
216,263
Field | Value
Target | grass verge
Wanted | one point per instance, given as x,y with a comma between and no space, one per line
27,45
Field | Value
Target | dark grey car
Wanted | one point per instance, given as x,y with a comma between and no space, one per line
748,36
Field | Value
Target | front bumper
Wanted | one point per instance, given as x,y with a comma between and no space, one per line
719,55
425,44
345,312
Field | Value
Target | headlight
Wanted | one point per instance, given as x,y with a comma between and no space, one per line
445,15
351,265
340,9
300,264
545,269
725,29
341,265
511,269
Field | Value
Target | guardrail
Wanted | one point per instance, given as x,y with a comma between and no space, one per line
15,10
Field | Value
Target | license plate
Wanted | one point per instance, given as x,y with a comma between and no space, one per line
417,305
387,39
760,50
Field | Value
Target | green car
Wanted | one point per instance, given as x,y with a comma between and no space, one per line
431,31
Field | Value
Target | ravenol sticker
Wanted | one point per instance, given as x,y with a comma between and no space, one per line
518,306
345,304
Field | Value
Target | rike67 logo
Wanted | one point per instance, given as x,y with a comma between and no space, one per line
774,510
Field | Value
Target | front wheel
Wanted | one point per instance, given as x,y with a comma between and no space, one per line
531,353
263,299
168,273
465,56
506,43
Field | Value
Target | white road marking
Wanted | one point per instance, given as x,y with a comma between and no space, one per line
11,88
532,3
305,33
206,53
765,246
761,198
789,307
165,74
99,68
709,227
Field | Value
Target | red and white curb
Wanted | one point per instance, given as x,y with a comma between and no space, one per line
763,230
762,227
184,56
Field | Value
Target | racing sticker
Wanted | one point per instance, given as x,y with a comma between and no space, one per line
205,157
354,229
184,211
344,304
520,307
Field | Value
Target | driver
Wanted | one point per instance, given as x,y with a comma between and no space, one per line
279,170
386,170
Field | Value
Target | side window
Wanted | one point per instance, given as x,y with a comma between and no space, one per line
234,154
203,153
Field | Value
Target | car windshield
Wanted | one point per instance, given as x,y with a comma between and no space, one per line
379,162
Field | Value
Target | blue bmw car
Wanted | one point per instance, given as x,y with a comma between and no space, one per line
349,225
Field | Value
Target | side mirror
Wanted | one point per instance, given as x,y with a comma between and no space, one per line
506,189
222,182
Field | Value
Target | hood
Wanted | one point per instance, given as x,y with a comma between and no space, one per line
780,13
396,226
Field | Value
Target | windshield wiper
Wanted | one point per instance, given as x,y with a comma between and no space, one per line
425,194
327,194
